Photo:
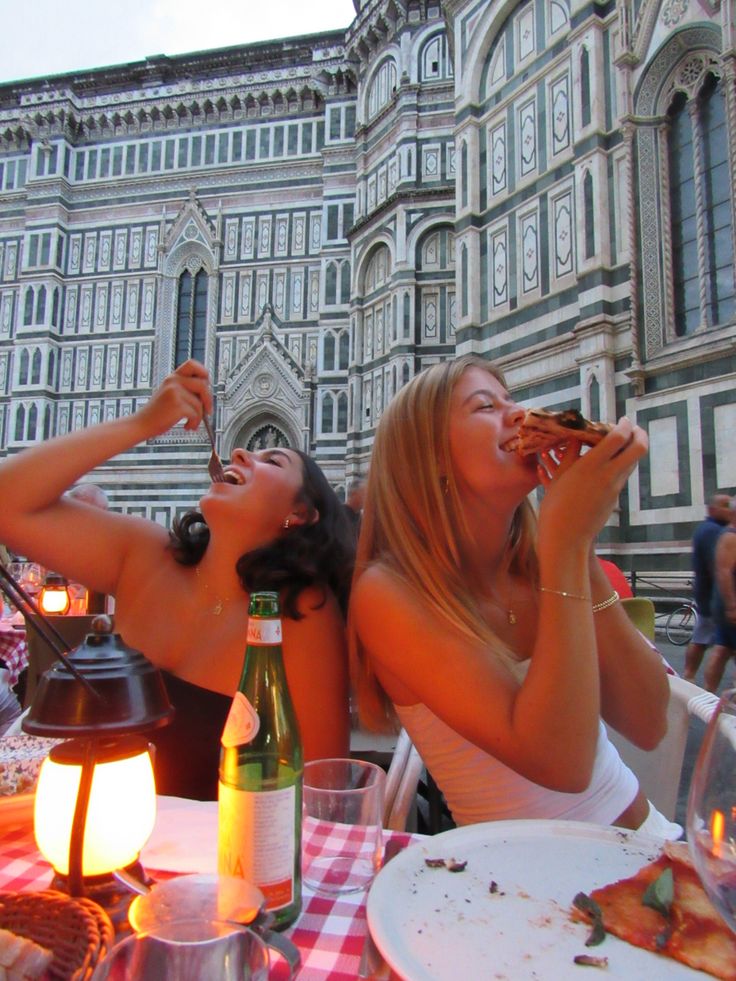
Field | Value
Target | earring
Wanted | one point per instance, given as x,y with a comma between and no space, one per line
287,523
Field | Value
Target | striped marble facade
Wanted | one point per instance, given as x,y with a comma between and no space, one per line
436,178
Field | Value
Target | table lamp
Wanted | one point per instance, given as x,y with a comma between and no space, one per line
95,801
54,596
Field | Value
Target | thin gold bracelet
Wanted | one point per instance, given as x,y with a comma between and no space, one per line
604,604
562,592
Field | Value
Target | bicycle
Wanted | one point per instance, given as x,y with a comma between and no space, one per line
680,624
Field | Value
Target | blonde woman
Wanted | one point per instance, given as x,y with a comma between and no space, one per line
496,641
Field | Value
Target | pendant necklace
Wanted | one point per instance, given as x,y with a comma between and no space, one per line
219,602
505,608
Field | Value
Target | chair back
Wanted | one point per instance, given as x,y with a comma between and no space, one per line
402,781
40,655
640,611
659,771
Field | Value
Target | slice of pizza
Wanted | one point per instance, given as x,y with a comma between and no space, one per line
692,932
542,430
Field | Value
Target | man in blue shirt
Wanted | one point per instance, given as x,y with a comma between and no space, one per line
704,542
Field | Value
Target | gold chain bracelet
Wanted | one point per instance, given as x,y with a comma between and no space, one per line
562,592
604,604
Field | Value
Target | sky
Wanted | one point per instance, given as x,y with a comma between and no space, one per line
48,37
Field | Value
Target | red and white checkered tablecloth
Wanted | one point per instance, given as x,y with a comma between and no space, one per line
14,652
329,932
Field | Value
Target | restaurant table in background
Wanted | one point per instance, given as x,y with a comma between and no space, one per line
329,932
13,650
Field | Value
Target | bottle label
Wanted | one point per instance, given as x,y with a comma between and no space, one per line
257,840
264,633
242,723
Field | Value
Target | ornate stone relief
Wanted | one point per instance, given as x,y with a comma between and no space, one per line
265,395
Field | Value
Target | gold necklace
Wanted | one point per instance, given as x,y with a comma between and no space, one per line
219,601
505,608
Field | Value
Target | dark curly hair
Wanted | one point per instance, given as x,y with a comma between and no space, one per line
320,554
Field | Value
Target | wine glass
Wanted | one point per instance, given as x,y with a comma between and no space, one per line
32,577
711,809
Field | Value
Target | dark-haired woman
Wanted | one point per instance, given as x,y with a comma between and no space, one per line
182,597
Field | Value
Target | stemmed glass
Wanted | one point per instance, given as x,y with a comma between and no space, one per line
711,810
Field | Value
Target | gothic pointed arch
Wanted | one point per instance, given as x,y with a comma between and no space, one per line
266,396
679,273
189,289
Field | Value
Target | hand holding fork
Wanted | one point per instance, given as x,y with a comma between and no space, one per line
214,465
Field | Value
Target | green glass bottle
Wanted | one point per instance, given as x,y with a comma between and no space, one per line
261,768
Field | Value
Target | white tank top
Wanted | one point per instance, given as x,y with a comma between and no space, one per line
477,787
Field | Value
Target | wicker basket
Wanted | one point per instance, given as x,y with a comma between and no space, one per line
78,931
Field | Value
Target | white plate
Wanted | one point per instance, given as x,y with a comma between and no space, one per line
431,924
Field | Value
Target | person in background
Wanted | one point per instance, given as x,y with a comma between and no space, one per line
617,579
492,637
723,603
704,540
354,504
182,597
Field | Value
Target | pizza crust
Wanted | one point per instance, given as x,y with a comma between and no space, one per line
542,430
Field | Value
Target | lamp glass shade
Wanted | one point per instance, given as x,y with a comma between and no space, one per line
120,815
54,598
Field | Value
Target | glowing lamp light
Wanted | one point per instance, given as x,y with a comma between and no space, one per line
95,803
121,809
54,596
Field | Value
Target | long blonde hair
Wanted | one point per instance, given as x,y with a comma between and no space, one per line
413,522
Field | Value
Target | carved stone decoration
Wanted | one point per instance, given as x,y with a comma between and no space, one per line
265,395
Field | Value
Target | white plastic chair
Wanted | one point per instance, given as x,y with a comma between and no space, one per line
659,771
402,781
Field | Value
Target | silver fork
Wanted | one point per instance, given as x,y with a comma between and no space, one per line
214,464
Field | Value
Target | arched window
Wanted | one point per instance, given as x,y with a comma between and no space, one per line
717,187
700,209
28,308
589,210
405,374
331,283
435,63
382,87
595,398
23,367
32,421
47,422
36,368
327,413
55,307
41,305
20,423
345,282
464,176
342,413
329,352
464,278
50,373
191,317
344,350
585,87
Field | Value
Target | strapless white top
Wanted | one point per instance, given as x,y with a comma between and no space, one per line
477,787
